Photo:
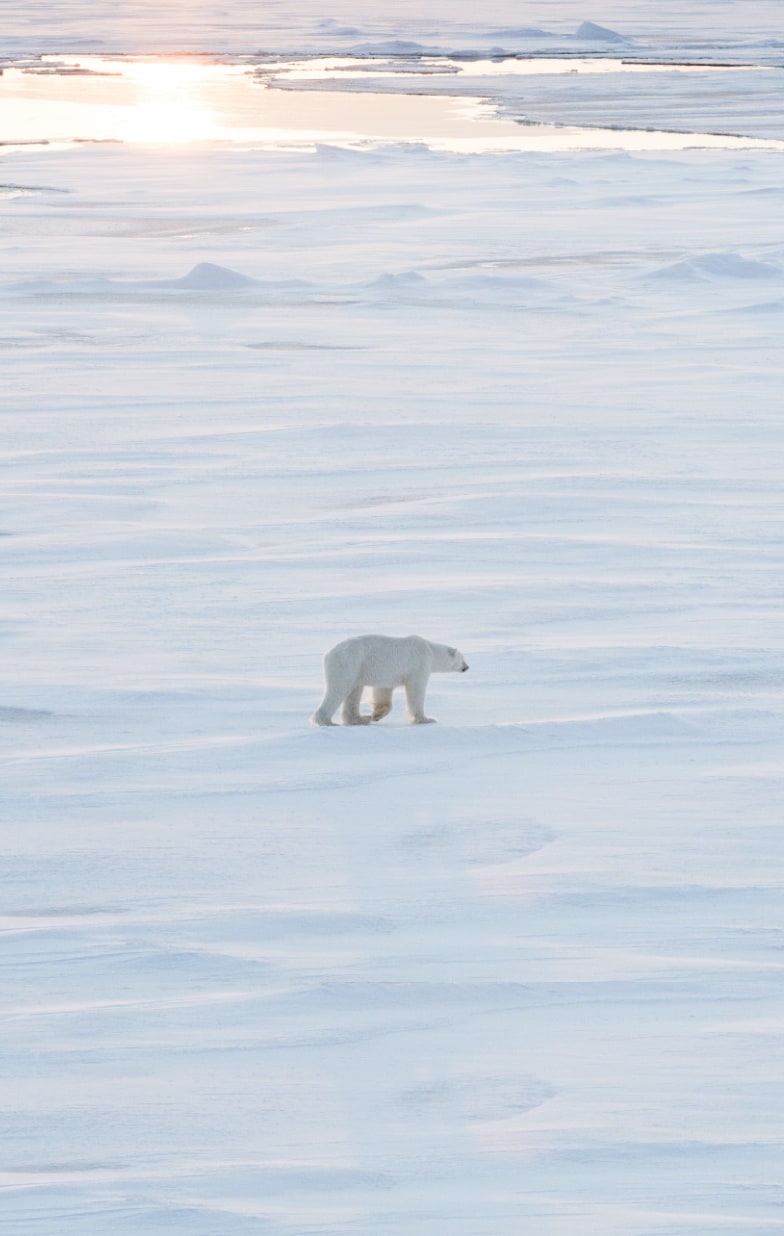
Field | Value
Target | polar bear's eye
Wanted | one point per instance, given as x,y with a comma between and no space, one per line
451,651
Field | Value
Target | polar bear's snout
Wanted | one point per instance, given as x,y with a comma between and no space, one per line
457,661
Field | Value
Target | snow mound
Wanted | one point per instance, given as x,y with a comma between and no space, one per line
589,32
711,266
204,277
486,286
395,282
208,277
330,26
391,47
521,32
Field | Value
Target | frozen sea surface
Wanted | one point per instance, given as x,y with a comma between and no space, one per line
623,91
523,967
521,970
246,25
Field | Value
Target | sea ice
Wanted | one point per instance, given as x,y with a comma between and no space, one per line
518,971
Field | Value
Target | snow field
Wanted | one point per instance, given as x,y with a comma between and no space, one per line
559,25
522,966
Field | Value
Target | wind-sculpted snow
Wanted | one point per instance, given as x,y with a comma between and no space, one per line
209,277
590,32
140,25
720,266
516,971
204,277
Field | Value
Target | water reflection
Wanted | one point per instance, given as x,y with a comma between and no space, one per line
160,101
325,68
171,105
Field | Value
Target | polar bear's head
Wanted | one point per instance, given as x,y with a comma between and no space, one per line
445,660
457,662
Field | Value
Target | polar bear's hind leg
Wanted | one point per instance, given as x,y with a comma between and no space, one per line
382,702
323,715
339,682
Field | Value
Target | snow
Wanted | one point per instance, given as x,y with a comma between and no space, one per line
590,32
712,266
143,25
517,970
209,277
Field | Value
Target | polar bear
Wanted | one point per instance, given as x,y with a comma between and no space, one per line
382,662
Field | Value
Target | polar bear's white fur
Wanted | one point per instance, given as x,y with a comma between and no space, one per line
382,662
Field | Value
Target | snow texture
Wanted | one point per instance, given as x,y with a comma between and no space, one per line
278,25
518,971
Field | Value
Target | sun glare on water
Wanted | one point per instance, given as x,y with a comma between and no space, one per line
170,106
179,101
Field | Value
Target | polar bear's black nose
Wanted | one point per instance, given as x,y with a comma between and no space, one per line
465,667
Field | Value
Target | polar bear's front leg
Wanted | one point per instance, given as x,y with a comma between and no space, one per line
415,699
350,714
382,702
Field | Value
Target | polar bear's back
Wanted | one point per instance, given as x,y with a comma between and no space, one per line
380,660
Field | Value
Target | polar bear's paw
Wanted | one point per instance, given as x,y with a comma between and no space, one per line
423,721
323,721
